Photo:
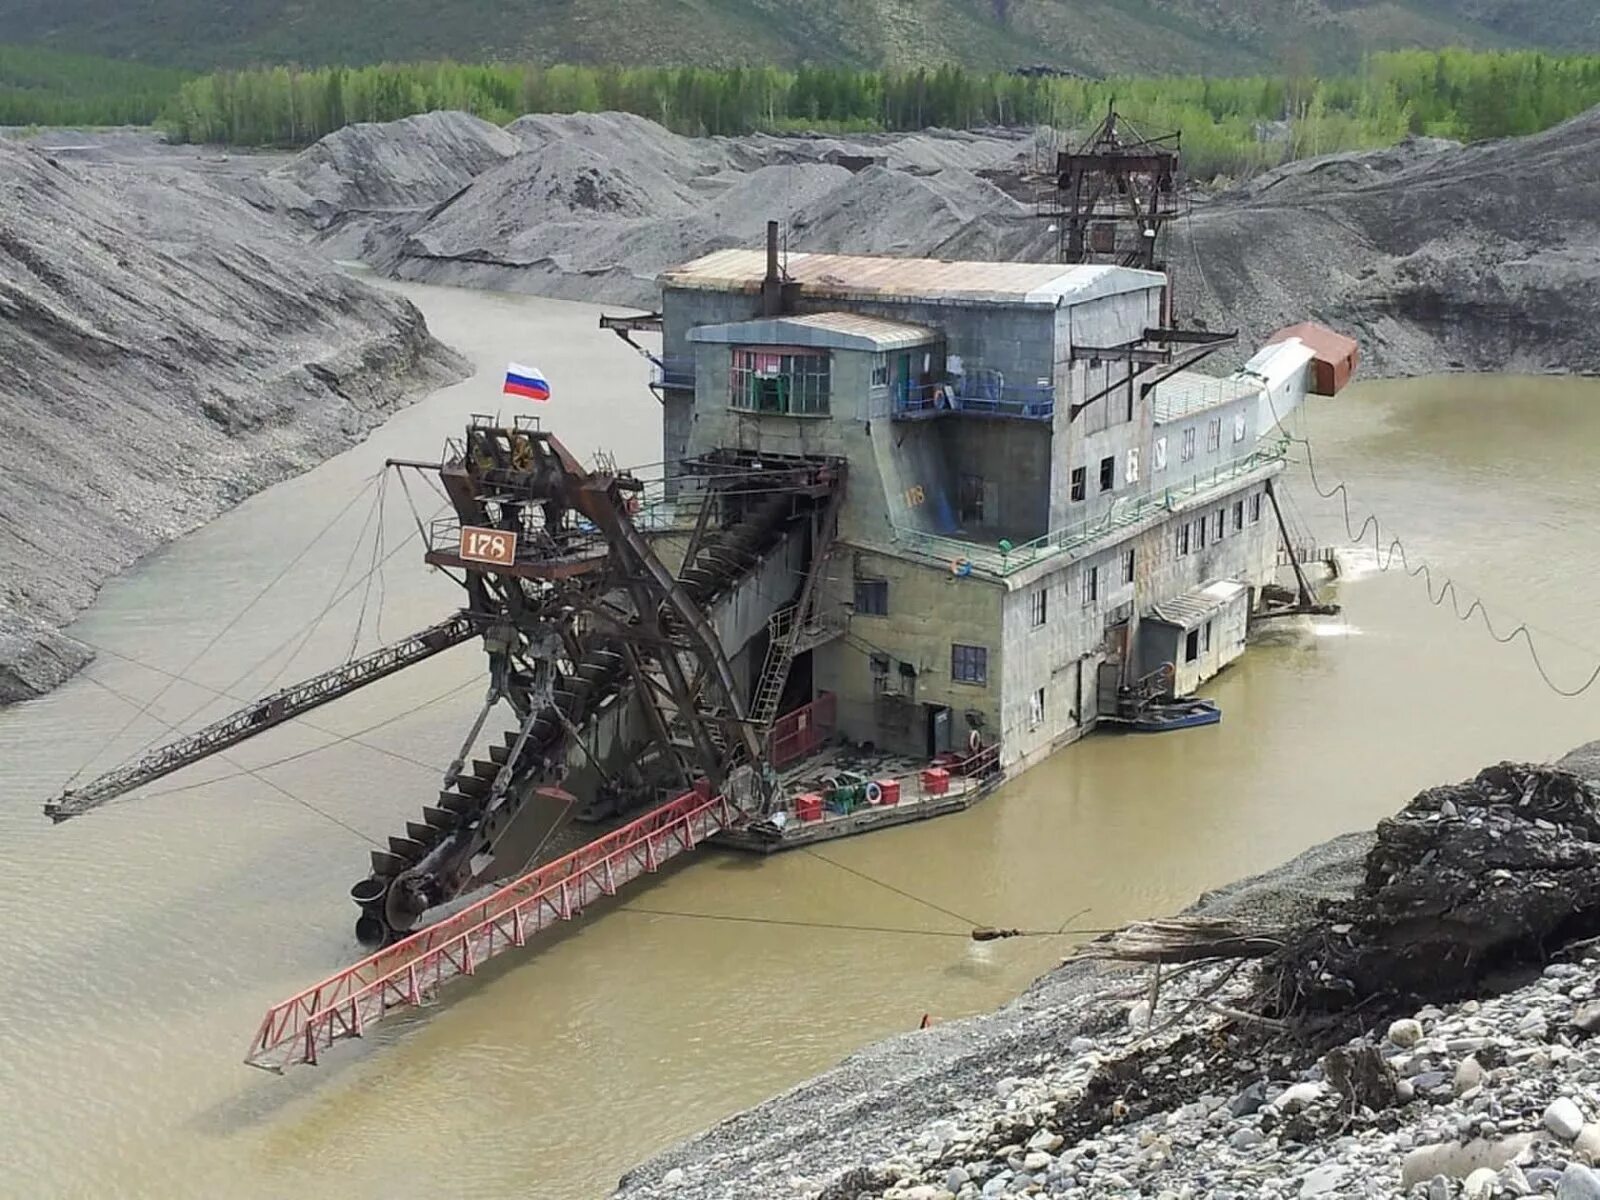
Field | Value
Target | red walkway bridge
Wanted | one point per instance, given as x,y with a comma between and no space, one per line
403,975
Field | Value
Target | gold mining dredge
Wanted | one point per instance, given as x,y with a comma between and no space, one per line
920,523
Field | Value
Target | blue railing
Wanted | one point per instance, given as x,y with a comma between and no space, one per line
987,397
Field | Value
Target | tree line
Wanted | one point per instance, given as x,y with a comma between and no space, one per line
1230,126
45,87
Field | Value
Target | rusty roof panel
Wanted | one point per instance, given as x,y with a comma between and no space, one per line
847,276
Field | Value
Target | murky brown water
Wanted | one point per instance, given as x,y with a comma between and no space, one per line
145,941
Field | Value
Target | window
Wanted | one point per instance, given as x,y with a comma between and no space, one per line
1108,473
1200,534
1188,443
880,672
1205,636
1038,605
781,381
1238,515
969,664
880,370
1079,483
1191,646
1214,434
971,497
1130,471
1091,585
1238,426
1127,566
1036,709
1255,508
1183,539
1158,460
1218,521
872,598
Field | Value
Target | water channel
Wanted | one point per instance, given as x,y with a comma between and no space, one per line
146,940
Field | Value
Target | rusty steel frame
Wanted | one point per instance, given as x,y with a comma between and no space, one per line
347,1004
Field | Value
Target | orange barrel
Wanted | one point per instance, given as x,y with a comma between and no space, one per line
808,806
936,781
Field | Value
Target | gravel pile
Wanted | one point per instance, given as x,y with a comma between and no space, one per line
165,351
1435,256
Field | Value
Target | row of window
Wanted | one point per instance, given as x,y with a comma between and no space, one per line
796,382
1158,457
1192,535
1088,589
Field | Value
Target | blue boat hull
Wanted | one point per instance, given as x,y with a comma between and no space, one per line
1189,714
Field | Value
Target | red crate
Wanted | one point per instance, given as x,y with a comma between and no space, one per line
808,806
889,792
936,781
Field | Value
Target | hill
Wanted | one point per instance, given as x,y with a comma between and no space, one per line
167,352
1091,36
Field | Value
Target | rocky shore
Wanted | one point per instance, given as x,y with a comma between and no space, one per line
166,352
1211,1080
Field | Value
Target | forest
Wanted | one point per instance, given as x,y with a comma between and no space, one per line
1231,126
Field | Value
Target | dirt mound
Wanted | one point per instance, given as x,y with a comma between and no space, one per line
883,211
1467,880
1483,257
397,166
167,352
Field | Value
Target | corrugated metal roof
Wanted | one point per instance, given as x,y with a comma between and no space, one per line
1198,604
1324,343
1189,392
866,277
839,330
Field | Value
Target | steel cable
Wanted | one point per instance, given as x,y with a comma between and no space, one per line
1386,556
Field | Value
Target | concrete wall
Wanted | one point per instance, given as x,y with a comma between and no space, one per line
742,613
1105,429
1237,426
929,610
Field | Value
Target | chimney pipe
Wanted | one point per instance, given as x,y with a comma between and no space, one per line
779,294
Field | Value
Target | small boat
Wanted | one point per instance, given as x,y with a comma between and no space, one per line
1163,715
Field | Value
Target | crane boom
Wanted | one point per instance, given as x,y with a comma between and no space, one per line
263,714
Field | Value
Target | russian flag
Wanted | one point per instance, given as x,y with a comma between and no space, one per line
527,382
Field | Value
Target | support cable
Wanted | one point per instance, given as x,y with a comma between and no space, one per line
216,637
1385,558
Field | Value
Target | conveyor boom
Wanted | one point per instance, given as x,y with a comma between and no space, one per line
263,714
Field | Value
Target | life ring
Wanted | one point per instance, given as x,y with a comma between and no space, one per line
874,793
961,567
974,742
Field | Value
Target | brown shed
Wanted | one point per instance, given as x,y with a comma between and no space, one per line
1335,357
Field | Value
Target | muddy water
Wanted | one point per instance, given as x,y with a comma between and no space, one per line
143,942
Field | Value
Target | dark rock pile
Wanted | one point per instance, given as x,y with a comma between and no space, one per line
1467,880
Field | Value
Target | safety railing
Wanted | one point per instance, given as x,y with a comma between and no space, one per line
802,732
965,557
976,394
403,975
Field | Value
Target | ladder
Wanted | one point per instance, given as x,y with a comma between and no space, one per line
788,624
263,715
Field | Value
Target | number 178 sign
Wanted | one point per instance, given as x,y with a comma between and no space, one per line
497,546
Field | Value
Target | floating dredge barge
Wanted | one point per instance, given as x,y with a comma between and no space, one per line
921,524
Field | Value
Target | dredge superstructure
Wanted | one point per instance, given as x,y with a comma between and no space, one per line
920,523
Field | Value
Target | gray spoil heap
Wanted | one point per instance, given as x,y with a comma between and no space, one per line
166,352
1435,256
1237,1081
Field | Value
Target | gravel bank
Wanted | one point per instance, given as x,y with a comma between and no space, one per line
1436,256
1494,1096
166,353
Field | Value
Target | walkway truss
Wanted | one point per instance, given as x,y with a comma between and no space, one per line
409,972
